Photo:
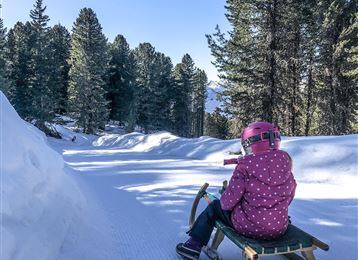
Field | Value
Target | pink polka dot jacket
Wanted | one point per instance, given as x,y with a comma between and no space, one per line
259,192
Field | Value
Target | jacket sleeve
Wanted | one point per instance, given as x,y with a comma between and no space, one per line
294,190
236,188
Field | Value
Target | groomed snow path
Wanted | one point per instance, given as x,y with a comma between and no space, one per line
138,206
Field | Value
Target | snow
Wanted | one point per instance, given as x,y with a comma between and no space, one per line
145,185
37,199
67,133
214,85
212,102
203,148
326,166
138,190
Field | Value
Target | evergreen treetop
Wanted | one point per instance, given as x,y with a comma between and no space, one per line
38,17
89,64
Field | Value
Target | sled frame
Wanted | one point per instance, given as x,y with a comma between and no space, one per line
248,252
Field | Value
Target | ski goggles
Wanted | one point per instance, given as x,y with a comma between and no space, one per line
270,135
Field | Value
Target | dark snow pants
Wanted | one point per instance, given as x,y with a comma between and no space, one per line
204,224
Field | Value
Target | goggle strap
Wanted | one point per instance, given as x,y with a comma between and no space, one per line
271,138
267,135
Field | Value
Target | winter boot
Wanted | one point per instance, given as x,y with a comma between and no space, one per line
190,249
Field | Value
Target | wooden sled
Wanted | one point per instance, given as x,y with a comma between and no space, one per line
292,242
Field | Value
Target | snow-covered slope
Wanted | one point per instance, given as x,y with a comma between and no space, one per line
38,201
328,160
164,143
212,102
146,185
135,141
326,166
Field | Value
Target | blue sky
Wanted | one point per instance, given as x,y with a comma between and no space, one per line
174,27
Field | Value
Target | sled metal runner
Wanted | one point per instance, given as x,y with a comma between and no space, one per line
292,242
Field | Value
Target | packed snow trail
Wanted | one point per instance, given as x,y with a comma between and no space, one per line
139,204
145,200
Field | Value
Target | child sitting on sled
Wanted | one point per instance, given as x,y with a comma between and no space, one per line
256,201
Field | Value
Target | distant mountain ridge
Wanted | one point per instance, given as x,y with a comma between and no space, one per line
213,88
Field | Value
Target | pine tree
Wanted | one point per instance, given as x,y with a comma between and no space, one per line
4,81
121,82
270,93
216,124
348,47
153,86
42,105
198,102
19,42
311,25
59,50
337,93
164,93
183,93
349,43
89,62
249,60
289,49
285,62
146,80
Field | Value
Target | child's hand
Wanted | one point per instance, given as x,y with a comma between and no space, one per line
221,191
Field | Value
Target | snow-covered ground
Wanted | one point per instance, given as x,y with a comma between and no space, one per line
145,184
136,192
38,200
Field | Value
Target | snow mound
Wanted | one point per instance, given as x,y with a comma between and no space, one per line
165,143
67,133
134,141
38,199
126,141
202,148
328,160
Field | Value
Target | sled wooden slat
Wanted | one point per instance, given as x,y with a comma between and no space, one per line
318,243
293,241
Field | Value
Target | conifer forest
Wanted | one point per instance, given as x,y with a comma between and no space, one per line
291,62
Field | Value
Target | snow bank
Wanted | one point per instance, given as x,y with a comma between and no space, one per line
67,133
330,160
38,201
202,148
135,141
